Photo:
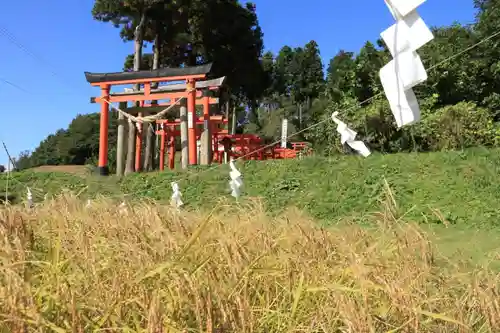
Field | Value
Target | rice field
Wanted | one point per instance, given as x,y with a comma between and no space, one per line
148,268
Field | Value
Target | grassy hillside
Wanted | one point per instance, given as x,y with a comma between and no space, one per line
448,187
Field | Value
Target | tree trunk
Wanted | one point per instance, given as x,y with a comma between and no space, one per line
120,151
149,149
300,116
206,147
130,164
156,157
138,41
309,103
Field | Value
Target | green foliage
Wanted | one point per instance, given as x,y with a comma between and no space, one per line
461,79
341,76
271,124
194,32
457,127
306,72
76,145
453,127
459,101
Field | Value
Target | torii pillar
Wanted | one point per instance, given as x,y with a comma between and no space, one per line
191,109
103,132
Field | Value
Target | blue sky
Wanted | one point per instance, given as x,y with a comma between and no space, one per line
61,42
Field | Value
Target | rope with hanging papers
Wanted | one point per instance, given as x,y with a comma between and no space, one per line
147,119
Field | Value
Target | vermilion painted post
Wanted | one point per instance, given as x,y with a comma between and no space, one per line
162,149
191,108
103,132
138,144
206,109
171,155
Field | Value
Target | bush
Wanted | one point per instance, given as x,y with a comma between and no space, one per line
459,126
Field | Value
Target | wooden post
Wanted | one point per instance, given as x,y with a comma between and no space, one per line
191,108
284,132
11,160
227,105
233,121
184,134
103,133
138,145
206,136
120,142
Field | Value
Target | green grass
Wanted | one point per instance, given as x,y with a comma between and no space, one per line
463,245
460,188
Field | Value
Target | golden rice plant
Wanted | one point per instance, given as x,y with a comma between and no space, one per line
148,268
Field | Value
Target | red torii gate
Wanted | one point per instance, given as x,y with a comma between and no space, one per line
206,89
168,132
146,78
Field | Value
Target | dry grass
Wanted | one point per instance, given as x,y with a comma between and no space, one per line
80,170
65,268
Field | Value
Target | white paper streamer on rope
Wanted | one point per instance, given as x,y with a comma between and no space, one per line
236,182
406,70
348,136
29,197
89,204
176,196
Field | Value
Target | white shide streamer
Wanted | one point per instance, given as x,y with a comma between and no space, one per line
406,69
348,136
236,182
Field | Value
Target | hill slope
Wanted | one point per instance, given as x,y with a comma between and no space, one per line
455,187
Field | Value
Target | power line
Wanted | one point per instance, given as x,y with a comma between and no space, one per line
7,82
14,40
7,34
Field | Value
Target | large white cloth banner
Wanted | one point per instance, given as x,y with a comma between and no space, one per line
406,70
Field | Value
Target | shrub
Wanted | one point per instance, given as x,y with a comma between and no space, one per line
457,127
451,127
